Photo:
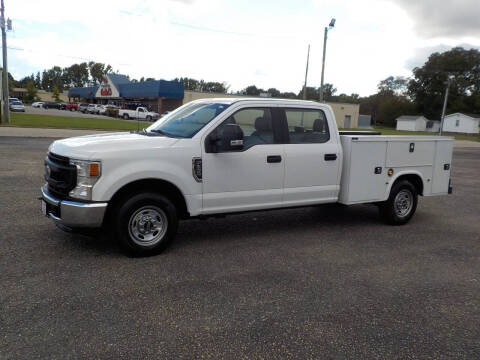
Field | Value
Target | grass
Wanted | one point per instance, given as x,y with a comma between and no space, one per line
65,122
392,131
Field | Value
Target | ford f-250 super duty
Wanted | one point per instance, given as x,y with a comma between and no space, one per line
218,156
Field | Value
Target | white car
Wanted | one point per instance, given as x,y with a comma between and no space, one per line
91,109
212,157
37,104
17,106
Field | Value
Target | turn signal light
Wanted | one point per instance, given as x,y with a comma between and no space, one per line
94,169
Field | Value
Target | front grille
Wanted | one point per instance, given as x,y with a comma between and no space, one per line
62,177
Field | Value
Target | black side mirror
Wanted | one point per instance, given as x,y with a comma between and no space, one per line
229,138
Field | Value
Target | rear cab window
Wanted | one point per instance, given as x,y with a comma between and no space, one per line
306,126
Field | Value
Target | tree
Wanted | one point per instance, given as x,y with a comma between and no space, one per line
390,108
98,71
56,93
394,84
38,81
427,88
252,90
31,92
274,92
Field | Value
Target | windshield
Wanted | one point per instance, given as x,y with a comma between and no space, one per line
17,103
187,120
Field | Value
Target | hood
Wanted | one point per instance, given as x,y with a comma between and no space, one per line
100,146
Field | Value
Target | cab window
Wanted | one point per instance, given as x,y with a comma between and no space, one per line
307,126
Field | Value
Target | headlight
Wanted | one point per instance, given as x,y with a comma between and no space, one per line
88,173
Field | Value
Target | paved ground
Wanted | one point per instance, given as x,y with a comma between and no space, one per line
56,112
316,283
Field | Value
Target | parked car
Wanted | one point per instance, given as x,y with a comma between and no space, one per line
111,110
37,104
140,113
82,107
17,106
101,109
212,157
63,106
51,105
12,99
72,106
91,109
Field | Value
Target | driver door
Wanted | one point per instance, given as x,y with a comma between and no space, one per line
250,178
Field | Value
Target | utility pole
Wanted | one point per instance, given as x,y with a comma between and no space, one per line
330,26
6,110
306,74
444,109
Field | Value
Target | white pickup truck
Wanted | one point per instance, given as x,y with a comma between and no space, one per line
140,113
218,156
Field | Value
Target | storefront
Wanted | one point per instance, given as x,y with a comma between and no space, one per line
157,95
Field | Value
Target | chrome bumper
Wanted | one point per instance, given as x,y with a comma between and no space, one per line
74,214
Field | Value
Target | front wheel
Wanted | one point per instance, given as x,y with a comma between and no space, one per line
401,204
146,224
125,116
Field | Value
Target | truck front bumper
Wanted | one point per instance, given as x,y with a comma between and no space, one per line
73,214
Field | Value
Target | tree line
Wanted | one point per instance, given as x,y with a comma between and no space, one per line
423,93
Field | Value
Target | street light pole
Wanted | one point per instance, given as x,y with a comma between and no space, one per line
6,109
306,74
444,109
330,26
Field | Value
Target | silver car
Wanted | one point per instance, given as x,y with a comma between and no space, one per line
17,106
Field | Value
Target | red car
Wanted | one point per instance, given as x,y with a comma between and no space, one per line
72,106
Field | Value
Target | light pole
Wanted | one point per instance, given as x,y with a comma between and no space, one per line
306,74
449,78
3,24
330,26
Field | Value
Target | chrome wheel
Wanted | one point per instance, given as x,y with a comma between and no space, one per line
403,203
148,225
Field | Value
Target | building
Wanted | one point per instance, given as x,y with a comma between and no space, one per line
42,95
462,123
157,95
433,126
345,114
411,123
365,121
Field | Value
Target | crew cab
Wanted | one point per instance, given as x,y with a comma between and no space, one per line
213,157
139,113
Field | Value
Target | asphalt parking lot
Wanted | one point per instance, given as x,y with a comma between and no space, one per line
315,283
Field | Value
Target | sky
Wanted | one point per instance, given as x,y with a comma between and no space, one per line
262,42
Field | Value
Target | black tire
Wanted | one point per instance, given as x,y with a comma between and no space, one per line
126,117
128,223
401,204
149,118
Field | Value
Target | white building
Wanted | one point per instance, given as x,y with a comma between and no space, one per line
462,123
411,123
433,126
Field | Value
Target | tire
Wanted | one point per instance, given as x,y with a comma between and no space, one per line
149,118
401,204
126,117
146,224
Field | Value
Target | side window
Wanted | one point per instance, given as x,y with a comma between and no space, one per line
457,123
307,126
256,124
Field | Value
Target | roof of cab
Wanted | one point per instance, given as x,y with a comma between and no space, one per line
258,99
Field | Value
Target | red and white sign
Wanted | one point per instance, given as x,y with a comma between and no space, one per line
107,89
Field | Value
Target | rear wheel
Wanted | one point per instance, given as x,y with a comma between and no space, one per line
126,117
149,118
401,204
146,224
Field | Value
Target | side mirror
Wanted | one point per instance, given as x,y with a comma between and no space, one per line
230,139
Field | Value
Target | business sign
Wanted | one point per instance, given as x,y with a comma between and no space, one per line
107,89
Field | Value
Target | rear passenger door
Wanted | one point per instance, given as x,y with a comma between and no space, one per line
312,158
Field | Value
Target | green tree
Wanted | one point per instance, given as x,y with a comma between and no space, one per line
390,108
98,71
56,93
427,88
38,81
31,92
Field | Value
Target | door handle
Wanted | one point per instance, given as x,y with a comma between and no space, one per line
330,157
274,159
